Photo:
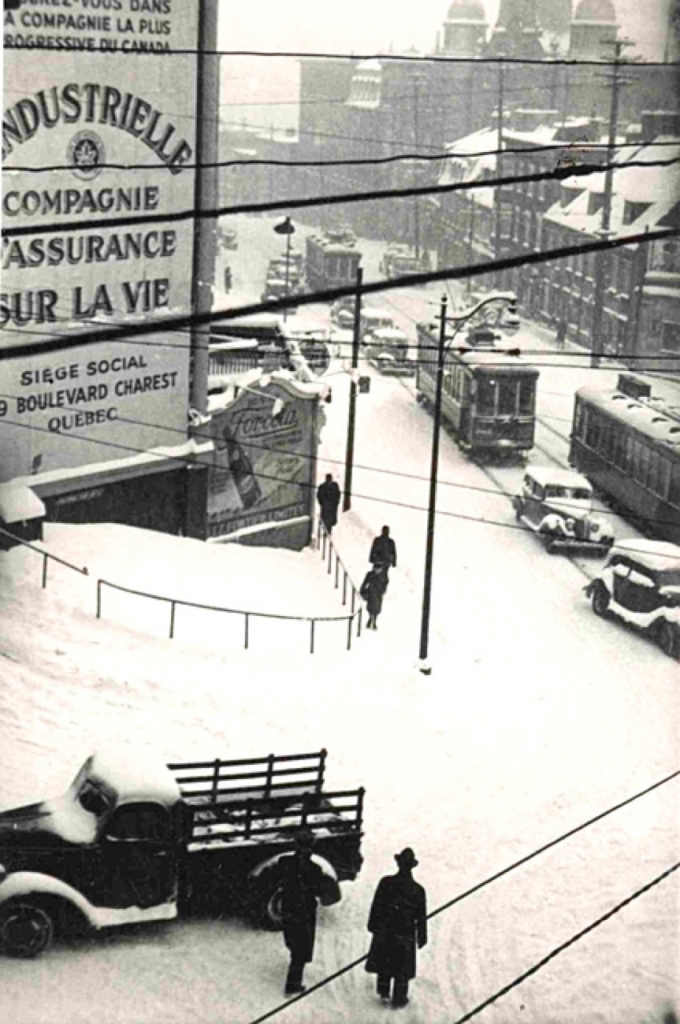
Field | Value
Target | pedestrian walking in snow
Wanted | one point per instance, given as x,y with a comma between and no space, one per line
373,590
302,884
328,496
398,923
384,552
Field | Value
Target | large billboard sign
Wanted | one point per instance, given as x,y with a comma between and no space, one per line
99,123
263,470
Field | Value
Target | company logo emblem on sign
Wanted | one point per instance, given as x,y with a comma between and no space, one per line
86,153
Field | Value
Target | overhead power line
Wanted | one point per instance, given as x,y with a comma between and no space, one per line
159,324
565,945
368,161
573,170
353,57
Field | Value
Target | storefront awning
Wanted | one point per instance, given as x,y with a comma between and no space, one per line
19,503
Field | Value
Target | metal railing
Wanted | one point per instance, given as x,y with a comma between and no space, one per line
176,602
45,557
355,614
329,553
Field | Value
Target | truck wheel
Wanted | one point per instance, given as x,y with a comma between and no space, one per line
26,928
600,601
667,638
265,902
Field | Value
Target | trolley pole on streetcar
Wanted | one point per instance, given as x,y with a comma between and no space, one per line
509,300
286,228
351,419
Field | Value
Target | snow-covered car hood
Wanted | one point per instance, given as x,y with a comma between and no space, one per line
50,823
571,508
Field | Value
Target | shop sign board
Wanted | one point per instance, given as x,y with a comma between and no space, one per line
263,464
98,86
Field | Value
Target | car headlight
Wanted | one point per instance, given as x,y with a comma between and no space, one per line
570,524
594,526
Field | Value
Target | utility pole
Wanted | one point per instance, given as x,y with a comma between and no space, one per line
432,502
351,419
602,257
416,146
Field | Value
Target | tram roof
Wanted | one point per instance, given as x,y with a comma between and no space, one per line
649,419
491,359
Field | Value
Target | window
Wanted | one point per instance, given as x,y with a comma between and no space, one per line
593,431
507,397
486,396
92,799
631,211
670,337
141,822
526,396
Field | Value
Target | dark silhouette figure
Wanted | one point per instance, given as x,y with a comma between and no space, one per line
384,553
398,922
302,885
328,496
373,590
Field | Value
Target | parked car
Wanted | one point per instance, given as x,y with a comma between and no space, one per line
134,840
640,583
342,312
558,505
387,349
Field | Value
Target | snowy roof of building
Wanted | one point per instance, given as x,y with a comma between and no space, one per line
18,503
469,158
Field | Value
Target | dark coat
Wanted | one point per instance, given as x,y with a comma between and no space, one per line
328,496
302,885
373,589
398,921
383,550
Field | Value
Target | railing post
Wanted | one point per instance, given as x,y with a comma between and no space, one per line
359,622
360,807
323,754
99,599
354,595
270,775
323,544
330,553
311,636
344,585
44,572
349,633
172,619
216,780
337,566
246,636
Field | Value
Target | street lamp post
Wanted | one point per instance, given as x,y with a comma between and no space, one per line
510,300
286,228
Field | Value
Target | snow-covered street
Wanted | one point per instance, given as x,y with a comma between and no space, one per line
537,717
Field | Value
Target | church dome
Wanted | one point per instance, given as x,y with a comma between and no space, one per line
596,10
466,10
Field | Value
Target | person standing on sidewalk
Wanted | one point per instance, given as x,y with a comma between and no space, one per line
328,496
302,885
384,552
398,923
373,590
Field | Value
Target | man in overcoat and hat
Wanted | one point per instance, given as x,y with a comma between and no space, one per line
328,496
398,922
302,886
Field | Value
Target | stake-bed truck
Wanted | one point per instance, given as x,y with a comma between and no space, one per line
135,840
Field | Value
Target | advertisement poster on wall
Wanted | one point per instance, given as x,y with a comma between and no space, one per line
263,469
99,124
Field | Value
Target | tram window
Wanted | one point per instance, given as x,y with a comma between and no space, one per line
674,485
593,431
663,477
486,396
526,396
644,461
507,397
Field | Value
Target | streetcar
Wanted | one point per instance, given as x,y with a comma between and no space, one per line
330,263
488,396
628,445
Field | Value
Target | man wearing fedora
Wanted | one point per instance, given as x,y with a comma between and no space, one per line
398,923
302,885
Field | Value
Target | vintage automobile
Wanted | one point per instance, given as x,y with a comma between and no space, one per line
373,319
135,840
342,312
640,583
387,349
558,505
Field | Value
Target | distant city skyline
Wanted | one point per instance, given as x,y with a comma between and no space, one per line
263,92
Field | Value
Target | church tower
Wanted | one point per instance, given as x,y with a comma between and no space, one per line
516,33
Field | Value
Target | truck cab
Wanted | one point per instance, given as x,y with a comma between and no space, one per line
105,853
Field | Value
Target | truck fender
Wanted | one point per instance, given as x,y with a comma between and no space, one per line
331,893
33,883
